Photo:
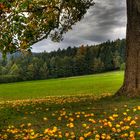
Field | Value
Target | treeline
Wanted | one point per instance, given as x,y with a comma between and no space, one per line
68,62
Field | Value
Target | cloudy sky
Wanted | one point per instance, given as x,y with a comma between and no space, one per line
104,21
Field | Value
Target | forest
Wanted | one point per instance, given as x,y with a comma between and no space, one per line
73,61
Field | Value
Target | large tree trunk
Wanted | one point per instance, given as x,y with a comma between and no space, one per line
131,85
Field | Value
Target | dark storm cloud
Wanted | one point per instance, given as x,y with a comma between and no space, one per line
106,20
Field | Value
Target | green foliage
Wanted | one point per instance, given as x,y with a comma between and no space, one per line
98,65
117,60
122,67
67,62
14,70
9,78
44,71
3,70
25,22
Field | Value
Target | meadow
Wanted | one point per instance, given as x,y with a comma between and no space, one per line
95,115
83,85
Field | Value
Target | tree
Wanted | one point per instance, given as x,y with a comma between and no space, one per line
44,71
14,70
4,71
131,85
30,72
53,70
25,22
67,65
98,65
117,60
81,65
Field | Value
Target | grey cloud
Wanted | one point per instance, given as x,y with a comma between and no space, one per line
106,20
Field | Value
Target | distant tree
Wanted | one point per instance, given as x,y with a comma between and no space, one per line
30,72
53,71
67,65
98,65
116,60
80,60
44,71
0,70
4,70
64,63
37,64
14,70
107,56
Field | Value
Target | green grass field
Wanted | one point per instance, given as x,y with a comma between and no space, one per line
84,85
86,115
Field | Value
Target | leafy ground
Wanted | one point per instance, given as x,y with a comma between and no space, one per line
72,117
85,85
81,117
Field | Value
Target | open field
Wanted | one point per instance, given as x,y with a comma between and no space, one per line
84,85
74,117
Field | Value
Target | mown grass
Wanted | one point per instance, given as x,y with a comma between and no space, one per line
83,85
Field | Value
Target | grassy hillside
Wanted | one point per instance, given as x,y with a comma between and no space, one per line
92,84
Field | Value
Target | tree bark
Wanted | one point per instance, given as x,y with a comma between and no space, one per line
131,85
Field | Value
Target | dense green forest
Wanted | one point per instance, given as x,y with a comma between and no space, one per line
72,61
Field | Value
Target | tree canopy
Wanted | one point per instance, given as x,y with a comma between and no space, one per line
73,61
25,22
